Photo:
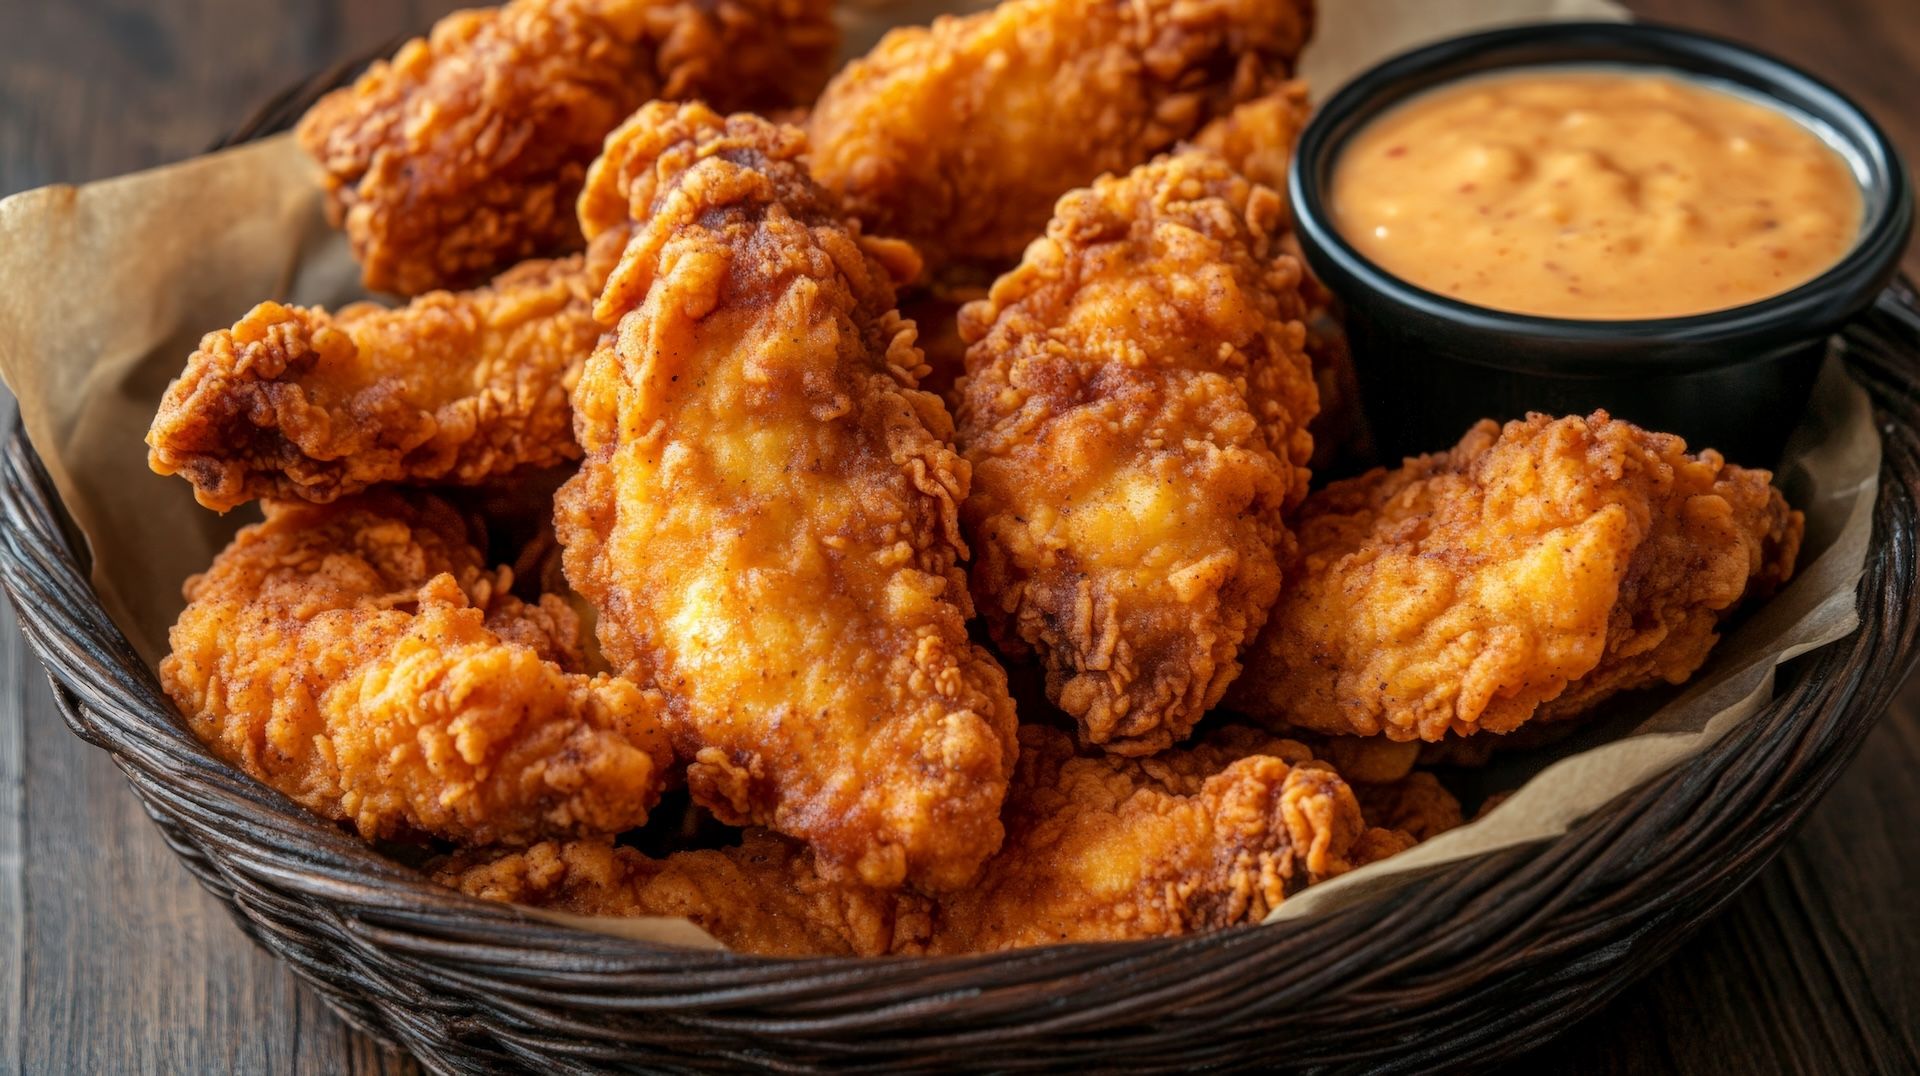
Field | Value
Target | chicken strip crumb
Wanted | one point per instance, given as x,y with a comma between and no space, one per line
360,659
1527,574
1135,410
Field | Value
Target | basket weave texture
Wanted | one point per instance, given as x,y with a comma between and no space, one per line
1477,962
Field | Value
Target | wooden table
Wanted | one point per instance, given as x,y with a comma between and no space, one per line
111,958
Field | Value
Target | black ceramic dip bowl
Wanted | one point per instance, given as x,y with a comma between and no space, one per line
1737,379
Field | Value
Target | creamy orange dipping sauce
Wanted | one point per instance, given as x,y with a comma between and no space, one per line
1595,194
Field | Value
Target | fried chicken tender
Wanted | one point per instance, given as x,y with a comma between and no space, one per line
464,154
359,658
767,516
1529,573
1135,412
1112,848
1097,849
453,388
763,896
959,137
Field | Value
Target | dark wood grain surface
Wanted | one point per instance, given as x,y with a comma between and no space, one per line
112,959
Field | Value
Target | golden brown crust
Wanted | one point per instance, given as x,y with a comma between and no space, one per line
1097,849
360,659
935,314
763,896
464,153
766,518
1257,138
454,388
1112,848
959,137
1135,412
1416,805
1527,574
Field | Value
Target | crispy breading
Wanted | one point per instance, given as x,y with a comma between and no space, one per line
936,318
1135,411
1372,759
762,896
1416,804
1111,848
1529,573
1097,849
959,136
767,515
359,658
453,388
1257,138
464,153
1392,794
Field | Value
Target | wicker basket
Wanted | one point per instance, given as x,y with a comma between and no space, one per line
1478,962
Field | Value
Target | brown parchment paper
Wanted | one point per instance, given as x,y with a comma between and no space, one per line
105,289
